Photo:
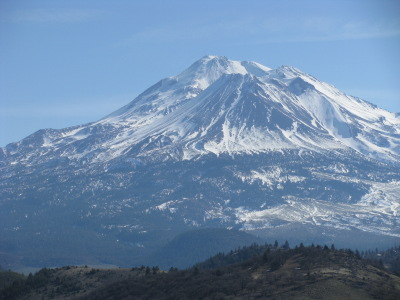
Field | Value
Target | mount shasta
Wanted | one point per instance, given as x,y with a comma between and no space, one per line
226,144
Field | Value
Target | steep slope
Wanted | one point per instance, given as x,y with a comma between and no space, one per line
223,144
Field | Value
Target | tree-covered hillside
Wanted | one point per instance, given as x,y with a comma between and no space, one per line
253,272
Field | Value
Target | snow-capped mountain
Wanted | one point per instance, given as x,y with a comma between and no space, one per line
225,143
222,106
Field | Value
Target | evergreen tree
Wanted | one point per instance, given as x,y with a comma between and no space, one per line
286,245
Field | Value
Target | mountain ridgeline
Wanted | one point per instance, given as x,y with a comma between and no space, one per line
224,144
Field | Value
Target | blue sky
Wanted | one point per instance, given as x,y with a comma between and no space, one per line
65,63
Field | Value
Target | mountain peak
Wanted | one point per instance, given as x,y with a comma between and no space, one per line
210,68
219,105
213,57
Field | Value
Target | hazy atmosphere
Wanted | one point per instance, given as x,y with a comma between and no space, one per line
65,63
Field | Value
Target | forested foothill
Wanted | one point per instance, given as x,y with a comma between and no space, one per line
254,272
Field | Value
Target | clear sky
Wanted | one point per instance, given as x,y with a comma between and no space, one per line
65,63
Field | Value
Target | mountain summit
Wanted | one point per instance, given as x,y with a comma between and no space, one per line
223,106
224,143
